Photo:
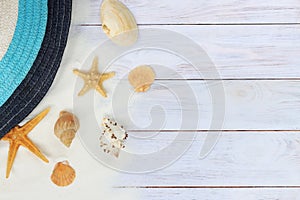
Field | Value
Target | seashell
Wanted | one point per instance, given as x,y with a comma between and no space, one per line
113,137
63,174
66,127
141,78
118,23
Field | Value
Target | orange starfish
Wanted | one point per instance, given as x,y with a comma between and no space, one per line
93,79
18,136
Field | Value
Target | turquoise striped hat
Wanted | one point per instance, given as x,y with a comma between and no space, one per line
33,36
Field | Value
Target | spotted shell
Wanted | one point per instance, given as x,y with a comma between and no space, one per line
63,174
66,127
141,78
113,137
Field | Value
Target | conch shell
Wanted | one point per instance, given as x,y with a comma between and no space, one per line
141,78
66,127
63,174
118,23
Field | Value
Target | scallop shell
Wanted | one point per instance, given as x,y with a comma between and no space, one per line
63,174
66,127
118,23
141,78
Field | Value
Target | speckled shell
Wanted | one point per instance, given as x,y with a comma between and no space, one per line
141,78
63,174
118,23
66,127
113,137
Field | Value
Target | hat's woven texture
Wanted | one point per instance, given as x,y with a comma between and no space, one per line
24,47
41,75
8,21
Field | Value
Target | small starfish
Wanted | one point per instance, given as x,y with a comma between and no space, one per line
18,136
93,79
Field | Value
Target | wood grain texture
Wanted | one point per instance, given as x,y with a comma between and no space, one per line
217,194
238,52
249,105
196,11
245,40
238,159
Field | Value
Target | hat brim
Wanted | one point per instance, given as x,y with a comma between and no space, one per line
24,47
41,75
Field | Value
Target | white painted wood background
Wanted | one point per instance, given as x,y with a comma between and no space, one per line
255,45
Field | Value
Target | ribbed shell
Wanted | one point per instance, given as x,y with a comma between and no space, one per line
63,174
66,127
141,78
118,23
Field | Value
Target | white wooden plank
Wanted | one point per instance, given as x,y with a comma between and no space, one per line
249,105
217,194
197,11
238,159
238,52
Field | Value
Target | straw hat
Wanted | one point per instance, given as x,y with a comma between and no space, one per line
33,36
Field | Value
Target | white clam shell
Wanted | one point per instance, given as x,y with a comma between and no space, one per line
118,23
